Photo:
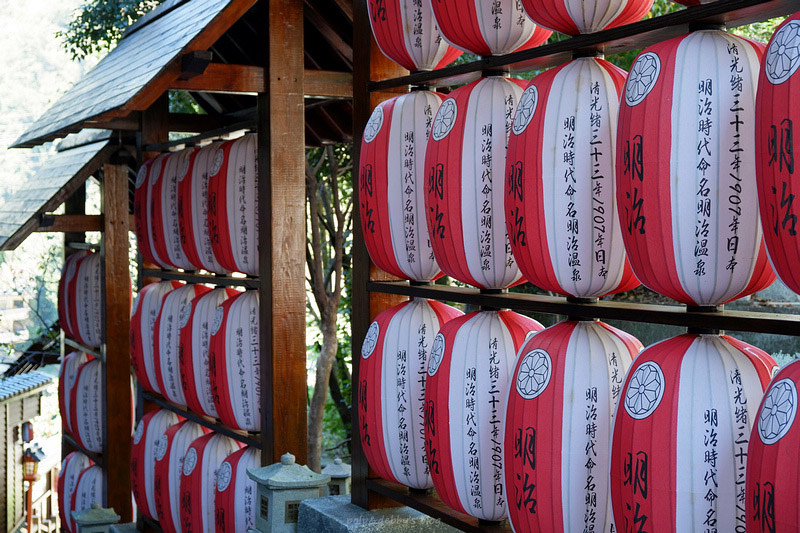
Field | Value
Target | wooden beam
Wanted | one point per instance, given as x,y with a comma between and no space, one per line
328,84
370,64
328,31
118,401
222,78
282,236
72,223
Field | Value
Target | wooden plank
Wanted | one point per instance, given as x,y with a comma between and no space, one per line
281,193
369,64
329,32
328,84
69,223
223,78
155,128
117,452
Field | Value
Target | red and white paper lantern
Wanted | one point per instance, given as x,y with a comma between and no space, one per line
174,314
391,388
487,28
776,112
235,362
579,16
86,302
195,340
465,161
235,501
165,231
170,451
193,209
71,468
469,372
87,406
143,209
681,432
67,375
143,458
773,476
406,33
90,488
392,186
66,292
199,480
685,162
146,309
565,385
233,205
561,212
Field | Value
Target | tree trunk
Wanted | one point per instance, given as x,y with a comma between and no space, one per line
315,412
340,402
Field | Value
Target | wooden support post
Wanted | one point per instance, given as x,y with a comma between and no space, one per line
117,452
75,205
281,193
368,64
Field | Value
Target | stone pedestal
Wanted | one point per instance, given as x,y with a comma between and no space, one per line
335,514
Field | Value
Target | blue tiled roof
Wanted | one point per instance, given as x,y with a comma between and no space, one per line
14,385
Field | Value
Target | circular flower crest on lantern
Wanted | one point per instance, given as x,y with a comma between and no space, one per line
783,55
534,374
644,391
374,125
525,109
445,120
224,476
370,340
642,78
437,353
778,412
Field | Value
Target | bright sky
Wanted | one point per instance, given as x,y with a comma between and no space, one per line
34,72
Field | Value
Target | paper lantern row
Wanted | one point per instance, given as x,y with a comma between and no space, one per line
198,208
189,342
521,423
426,35
81,399
80,483
190,479
585,184
80,298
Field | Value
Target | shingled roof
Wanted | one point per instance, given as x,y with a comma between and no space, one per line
15,385
147,57
79,156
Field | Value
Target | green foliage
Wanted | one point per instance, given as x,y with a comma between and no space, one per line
99,24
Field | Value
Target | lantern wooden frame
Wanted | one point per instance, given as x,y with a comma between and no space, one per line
376,79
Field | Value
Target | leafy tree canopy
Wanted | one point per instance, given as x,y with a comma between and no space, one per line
98,25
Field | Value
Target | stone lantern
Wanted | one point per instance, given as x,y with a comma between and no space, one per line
281,487
340,478
95,519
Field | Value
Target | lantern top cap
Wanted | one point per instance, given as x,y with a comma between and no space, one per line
337,469
96,515
287,475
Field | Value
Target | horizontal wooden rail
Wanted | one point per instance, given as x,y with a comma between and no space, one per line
431,505
611,41
189,277
94,352
210,134
94,456
248,438
781,324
